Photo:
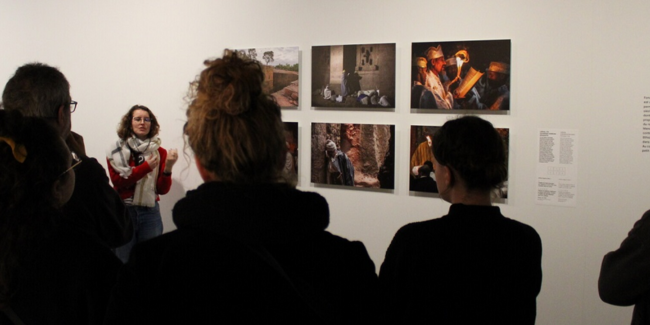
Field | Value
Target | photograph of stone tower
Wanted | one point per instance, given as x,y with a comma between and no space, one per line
281,67
356,155
353,76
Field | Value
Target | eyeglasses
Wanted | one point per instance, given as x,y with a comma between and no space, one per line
73,106
74,166
139,119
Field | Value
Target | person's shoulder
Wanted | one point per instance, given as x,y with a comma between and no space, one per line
89,161
330,244
523,230
417,231
422,226
338,251
338,241
520,225
311,197
89,165
644,220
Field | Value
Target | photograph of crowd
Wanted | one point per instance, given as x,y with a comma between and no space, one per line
468,75
281,66
357,155
421,171
353,76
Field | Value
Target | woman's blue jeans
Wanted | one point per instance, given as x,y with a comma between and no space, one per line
147,224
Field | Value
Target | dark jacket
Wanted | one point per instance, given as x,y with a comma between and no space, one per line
472,266
66,278
625,272
213,267
95,208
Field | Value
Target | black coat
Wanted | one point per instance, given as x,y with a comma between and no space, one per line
624,272
96,208
472,266
66,278
213,267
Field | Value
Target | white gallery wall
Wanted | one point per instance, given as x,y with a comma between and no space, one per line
579,65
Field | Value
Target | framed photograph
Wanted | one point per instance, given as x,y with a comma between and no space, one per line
281,67
353,76
421,174
355,155
463,75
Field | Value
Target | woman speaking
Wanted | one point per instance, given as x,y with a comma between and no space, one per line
140,170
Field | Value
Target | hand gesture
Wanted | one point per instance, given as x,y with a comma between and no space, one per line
75,143
153,161
172,157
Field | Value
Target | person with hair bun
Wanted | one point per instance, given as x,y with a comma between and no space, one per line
51,272
141,171
473,265
249,247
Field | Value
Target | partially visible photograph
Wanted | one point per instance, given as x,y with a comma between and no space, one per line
281,67
353,76
421,173
467,75
355,155
291,138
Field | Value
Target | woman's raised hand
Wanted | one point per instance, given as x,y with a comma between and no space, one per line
172,157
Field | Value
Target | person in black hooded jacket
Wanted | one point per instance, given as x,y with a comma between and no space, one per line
249,248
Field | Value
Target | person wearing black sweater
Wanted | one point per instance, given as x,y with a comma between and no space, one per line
473,265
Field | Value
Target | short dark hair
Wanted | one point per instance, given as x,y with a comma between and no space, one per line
474,150
125,129
36,89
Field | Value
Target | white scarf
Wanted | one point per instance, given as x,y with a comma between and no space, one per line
118,155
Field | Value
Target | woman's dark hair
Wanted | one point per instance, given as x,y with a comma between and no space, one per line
125,129
233,127
26,188
474,150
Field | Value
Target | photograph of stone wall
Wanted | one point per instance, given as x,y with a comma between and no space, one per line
281,67
467,75
421,173
353,76
358,155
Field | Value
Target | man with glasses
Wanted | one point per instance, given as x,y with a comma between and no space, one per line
39,90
